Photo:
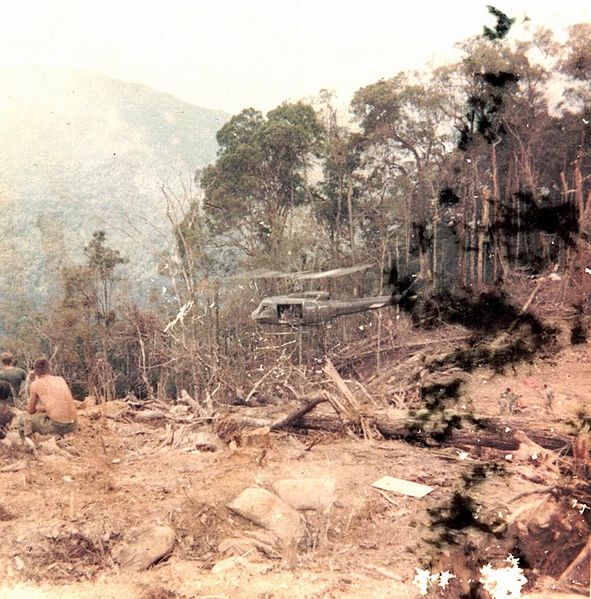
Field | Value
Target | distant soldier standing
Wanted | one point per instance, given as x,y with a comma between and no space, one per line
512,398
503,400
548,398
511,402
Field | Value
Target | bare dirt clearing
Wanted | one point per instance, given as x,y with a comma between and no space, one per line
74,510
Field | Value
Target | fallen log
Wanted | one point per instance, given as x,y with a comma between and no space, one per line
462,430
447,427
150,415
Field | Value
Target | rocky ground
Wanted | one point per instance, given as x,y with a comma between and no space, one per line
150,504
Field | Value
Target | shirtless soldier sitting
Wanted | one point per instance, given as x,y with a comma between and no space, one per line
51,404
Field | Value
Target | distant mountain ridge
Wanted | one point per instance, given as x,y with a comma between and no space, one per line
81,151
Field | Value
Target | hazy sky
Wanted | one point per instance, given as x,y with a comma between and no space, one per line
234,54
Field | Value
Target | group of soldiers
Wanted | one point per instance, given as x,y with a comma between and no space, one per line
509,401
43,401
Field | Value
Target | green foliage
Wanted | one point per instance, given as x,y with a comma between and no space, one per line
79,329
102,259
402,110
261,175
71,330
493,74
404,144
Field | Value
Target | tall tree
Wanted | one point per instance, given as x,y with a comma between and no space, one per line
261,176
572,151
501,133
337,193
102,261
400,119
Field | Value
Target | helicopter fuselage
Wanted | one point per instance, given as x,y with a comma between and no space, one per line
312,308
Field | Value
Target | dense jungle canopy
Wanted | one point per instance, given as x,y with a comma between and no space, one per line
460,179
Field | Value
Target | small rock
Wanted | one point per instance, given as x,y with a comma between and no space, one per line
205,441
18,563
51,447
150,545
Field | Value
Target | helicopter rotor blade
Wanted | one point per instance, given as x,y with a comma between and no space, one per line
304,275
264,274
328,274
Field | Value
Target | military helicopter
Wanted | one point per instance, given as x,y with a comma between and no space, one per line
316,307
312,307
